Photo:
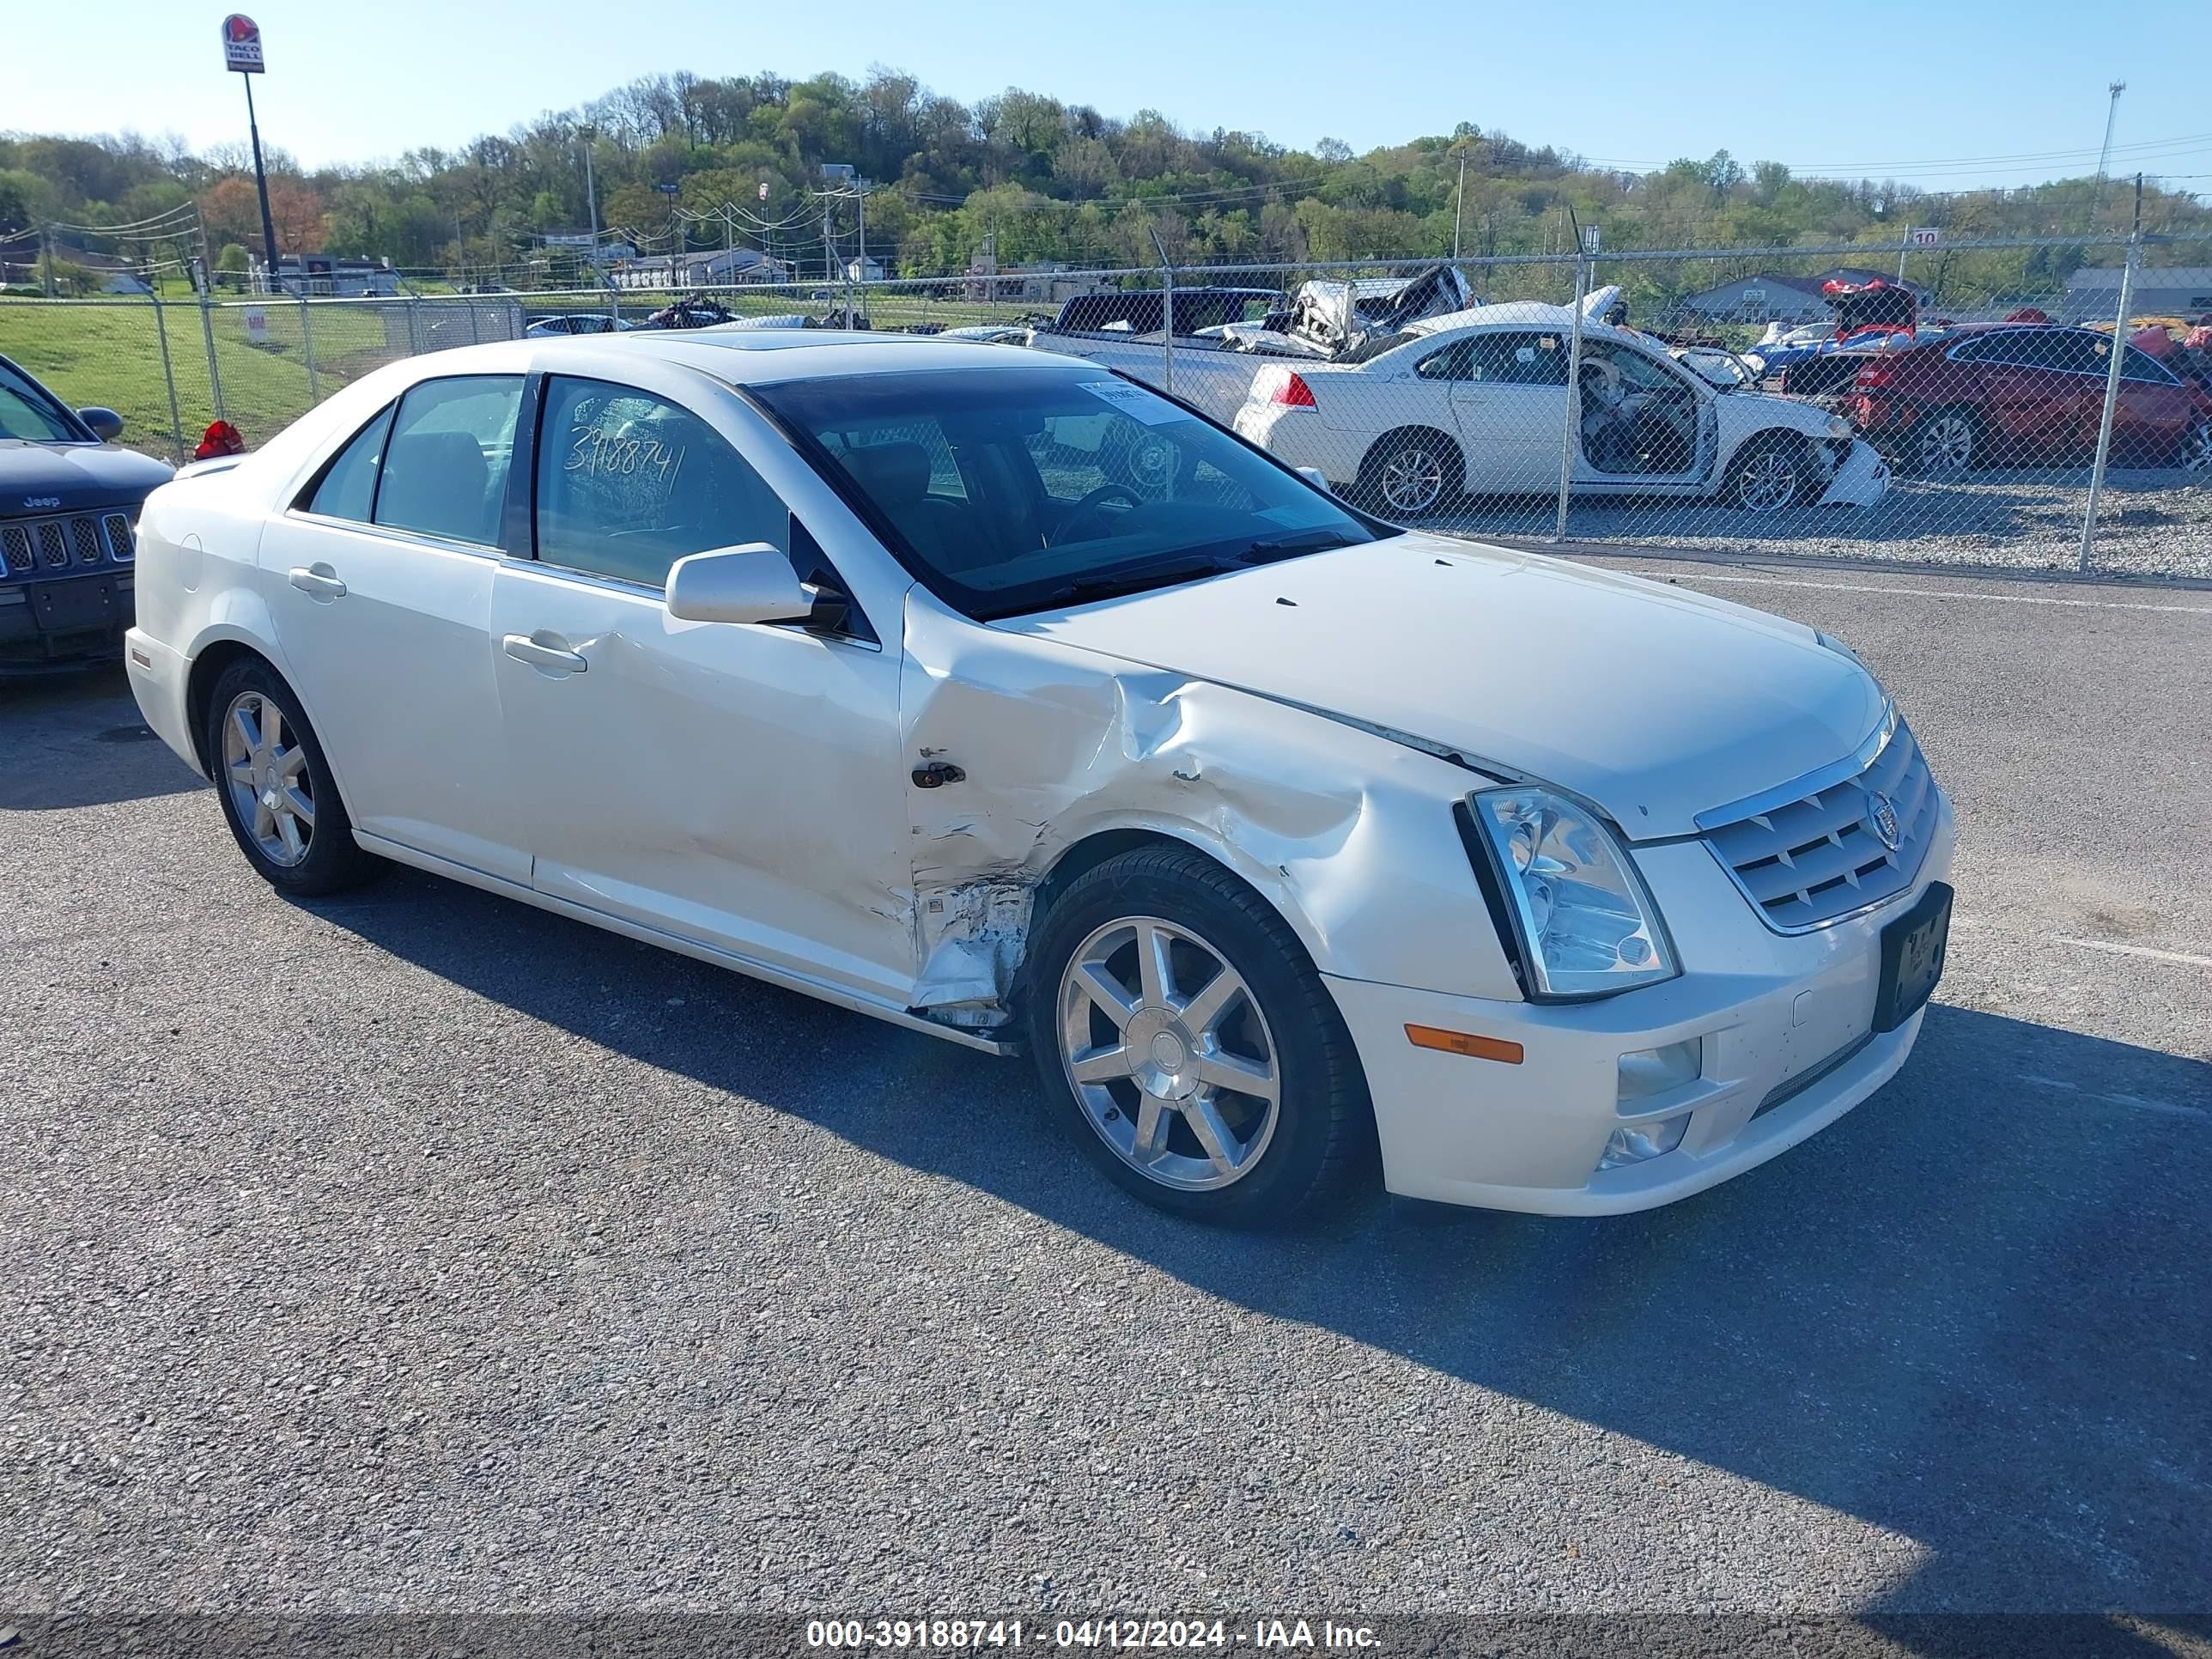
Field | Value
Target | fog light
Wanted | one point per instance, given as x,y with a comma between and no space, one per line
1649,1072
1632,1143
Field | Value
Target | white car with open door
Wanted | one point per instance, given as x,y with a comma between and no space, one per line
1476,404
1279,836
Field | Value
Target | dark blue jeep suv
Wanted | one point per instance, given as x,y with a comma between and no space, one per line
69,511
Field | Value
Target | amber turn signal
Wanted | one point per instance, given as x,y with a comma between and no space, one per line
1464,1043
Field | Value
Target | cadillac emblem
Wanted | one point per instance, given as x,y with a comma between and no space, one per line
1881,819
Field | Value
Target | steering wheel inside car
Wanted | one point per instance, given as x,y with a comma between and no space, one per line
1091,503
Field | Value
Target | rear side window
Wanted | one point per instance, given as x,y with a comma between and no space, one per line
2140,365
627,483
1519,359
445,469
348,489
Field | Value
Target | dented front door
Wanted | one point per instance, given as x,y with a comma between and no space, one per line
734,784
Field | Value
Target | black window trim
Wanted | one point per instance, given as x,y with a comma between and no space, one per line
302,501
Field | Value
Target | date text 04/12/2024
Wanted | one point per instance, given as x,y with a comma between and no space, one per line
1159,1634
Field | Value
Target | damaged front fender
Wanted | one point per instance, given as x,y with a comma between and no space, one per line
1350,836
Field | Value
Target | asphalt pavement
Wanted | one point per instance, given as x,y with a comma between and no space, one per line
419,1250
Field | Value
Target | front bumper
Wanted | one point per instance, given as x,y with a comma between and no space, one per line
1862,479
1784,1022
62,621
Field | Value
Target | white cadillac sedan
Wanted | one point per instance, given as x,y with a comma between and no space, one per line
871,666
1476,402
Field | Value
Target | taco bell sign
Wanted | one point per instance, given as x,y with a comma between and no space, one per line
241,45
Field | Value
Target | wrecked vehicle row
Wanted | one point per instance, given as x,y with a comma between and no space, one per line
996,696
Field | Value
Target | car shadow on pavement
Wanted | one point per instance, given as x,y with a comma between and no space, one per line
1973,1312
90,747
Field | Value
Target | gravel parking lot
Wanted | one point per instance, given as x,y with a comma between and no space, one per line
423,1251
2150,523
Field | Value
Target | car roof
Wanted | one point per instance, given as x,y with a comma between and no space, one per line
748,355
1514,314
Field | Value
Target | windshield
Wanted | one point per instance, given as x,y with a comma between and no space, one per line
26,410
1020,490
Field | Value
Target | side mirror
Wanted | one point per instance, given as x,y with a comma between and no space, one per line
106,425
754,583
1314,475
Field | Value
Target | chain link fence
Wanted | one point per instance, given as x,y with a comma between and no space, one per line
2032,403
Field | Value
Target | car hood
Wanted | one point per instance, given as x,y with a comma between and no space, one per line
41,478
1655,703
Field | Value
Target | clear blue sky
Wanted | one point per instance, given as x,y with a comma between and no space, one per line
354,80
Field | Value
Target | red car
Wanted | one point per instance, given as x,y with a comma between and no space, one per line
2009,394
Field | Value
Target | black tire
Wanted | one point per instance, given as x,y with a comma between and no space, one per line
333,861
1416,447
1944,443
1323,1135
1752,485
2193,454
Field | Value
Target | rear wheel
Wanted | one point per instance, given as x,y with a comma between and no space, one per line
1190,1045
277,794
1410,472
1944,443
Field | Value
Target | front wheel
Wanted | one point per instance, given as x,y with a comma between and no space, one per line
1771,474
2196,454
1189,1044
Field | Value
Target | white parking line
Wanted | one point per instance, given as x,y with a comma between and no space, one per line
2141,1102
1949,593
2182,957
2111,947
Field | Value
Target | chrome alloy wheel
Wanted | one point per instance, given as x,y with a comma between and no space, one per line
1768,482
1412,479
268,778
1168,1054
1946,444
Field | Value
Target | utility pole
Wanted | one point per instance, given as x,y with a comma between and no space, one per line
587,133
1459,200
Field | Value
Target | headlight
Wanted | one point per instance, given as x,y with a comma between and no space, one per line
1587,926
1840,428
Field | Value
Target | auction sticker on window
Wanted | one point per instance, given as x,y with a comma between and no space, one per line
1136,402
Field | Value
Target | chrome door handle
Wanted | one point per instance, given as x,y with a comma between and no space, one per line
319,580
552,658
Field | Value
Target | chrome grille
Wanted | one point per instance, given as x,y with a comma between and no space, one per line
82,539
1818,858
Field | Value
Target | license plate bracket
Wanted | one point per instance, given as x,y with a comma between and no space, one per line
73,606
1912,949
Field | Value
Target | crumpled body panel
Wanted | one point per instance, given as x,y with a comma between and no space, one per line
1349,834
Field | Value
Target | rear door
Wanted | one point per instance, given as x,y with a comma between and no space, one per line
381,599
2153,414
1508,392
2045,388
